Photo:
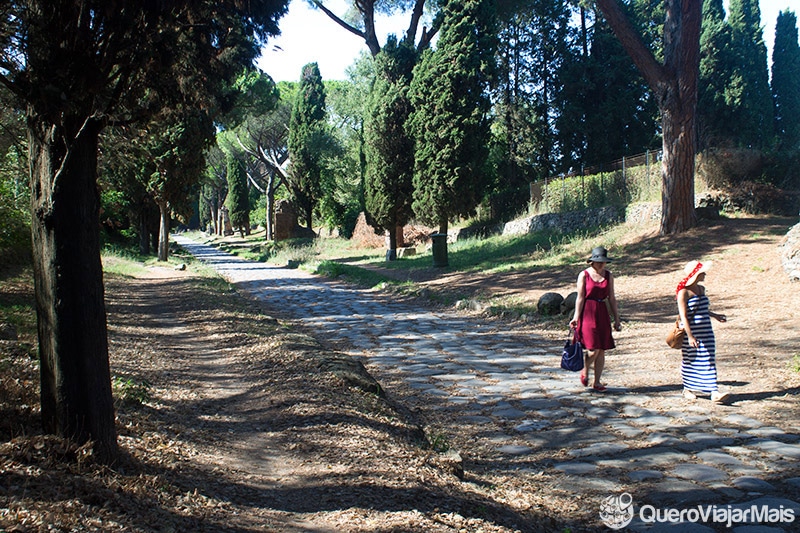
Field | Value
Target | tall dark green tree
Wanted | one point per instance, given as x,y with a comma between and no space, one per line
533,42
76,66
717,59
360,20
389,148
621,117
786,82
450,122
606,108
308,140
173,148
748,92
237,202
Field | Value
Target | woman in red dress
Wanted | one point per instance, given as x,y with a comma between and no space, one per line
591,321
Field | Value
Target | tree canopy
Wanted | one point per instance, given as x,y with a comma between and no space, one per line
77,66
307,142
450,124
786,81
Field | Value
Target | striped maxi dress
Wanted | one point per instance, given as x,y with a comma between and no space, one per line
699,368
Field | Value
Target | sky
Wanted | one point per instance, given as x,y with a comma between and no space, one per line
308,36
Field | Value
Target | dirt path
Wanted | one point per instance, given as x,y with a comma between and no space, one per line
261,440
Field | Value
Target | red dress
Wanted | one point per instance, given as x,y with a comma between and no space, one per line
594,329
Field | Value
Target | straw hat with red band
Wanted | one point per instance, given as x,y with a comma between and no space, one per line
692,270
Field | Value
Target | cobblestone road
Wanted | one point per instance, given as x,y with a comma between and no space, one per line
464,365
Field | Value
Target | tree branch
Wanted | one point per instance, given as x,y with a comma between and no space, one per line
339,21
652,71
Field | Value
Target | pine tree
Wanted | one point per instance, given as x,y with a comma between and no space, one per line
786,82
748,92
449,93
237,202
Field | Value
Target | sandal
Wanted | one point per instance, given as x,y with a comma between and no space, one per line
599,387
584,380
720,397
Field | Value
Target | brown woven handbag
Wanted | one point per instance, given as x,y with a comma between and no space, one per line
675,337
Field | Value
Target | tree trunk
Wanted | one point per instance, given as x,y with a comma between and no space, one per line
391,252
270,233
677,166
76,396
443,227
675,84
214,222
144,234
163,231
309,217
153,239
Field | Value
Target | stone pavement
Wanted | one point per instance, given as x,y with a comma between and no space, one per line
694,458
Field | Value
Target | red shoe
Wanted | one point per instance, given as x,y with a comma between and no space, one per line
584,380
599,388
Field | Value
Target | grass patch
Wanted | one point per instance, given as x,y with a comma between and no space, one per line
358,275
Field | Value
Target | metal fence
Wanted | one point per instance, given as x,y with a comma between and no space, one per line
609,184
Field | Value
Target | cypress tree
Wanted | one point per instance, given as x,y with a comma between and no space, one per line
449,93
237,201
714,120
389,149
748,92
621,117
786,81
306,143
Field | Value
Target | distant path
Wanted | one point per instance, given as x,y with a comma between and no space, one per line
506,391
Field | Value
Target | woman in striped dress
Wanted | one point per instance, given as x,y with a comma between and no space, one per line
698,369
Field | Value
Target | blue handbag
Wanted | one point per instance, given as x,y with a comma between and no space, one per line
572,355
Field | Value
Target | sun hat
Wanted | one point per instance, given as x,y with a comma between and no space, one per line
691,271
599,255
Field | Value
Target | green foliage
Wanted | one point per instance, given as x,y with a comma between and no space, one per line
786,82
389,148
308,141
129,391
439,442
255,94
450,124
573,193
237,201
717,61
748,92
15,233
622,114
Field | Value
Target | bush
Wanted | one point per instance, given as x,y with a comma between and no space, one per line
15,232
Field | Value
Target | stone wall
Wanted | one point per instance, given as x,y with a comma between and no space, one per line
565,222
790,253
